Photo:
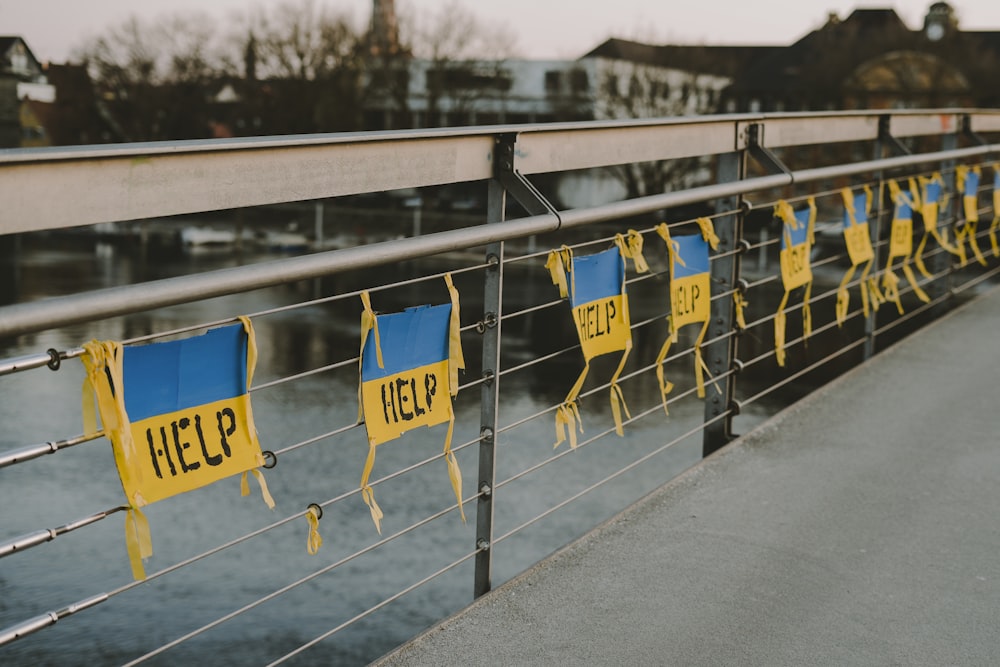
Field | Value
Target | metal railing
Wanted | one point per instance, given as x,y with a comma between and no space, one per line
229,572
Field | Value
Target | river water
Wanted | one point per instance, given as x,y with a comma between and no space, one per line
40,405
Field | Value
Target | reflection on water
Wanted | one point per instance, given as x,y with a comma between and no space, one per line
41,405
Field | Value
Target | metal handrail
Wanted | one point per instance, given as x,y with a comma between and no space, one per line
539,149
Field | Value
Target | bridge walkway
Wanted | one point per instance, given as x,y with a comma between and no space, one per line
858,527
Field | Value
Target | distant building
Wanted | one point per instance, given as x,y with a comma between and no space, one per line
871,59
458,93
22,83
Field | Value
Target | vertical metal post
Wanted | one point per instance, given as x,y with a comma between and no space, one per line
318,224
720,351
942,261
875,233
492,310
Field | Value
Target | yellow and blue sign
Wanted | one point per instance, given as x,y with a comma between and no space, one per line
901,243
690,295
796,270
599,302
178,415
856,231
410,389
595,285
796,246
857,237
968,183
996,209
409,374
933,198
690,284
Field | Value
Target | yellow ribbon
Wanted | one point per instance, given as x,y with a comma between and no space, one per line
740,302
314,540
779,331
456,362
996,213
103,363
456,358
708,232
568,414
369,324
251,366
567,422
138,542
559,263
454,473
617,398
631,248
786,213
665,386
259,476
844,297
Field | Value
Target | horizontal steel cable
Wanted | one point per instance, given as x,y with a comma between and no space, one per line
288,587
373,609
616,474
603,434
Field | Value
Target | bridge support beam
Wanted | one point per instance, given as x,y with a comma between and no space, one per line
720,346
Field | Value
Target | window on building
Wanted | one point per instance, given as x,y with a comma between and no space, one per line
553,81
578,81
611,85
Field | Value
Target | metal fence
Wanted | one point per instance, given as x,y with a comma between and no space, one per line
232,580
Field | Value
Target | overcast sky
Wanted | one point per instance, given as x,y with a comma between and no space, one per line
543,28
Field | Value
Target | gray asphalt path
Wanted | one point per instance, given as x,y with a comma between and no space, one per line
859,527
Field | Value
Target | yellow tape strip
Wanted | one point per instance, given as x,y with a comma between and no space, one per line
708,232
908,272
456,358
559,263
138,541
779,331
264,492
665,386
367,493
568,414
454,473
369,323
631,248
617,398
567,421
314,540
844,297
890,286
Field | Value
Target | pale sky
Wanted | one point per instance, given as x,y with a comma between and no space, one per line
543,28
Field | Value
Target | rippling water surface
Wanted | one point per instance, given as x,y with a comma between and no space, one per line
41,405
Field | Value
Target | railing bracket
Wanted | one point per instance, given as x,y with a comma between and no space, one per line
489,321
520,188
270,459
55,361
761,154
895,145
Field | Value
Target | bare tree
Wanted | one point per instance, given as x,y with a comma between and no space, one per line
151,75
463,58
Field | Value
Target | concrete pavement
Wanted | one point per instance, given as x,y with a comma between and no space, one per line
859,527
